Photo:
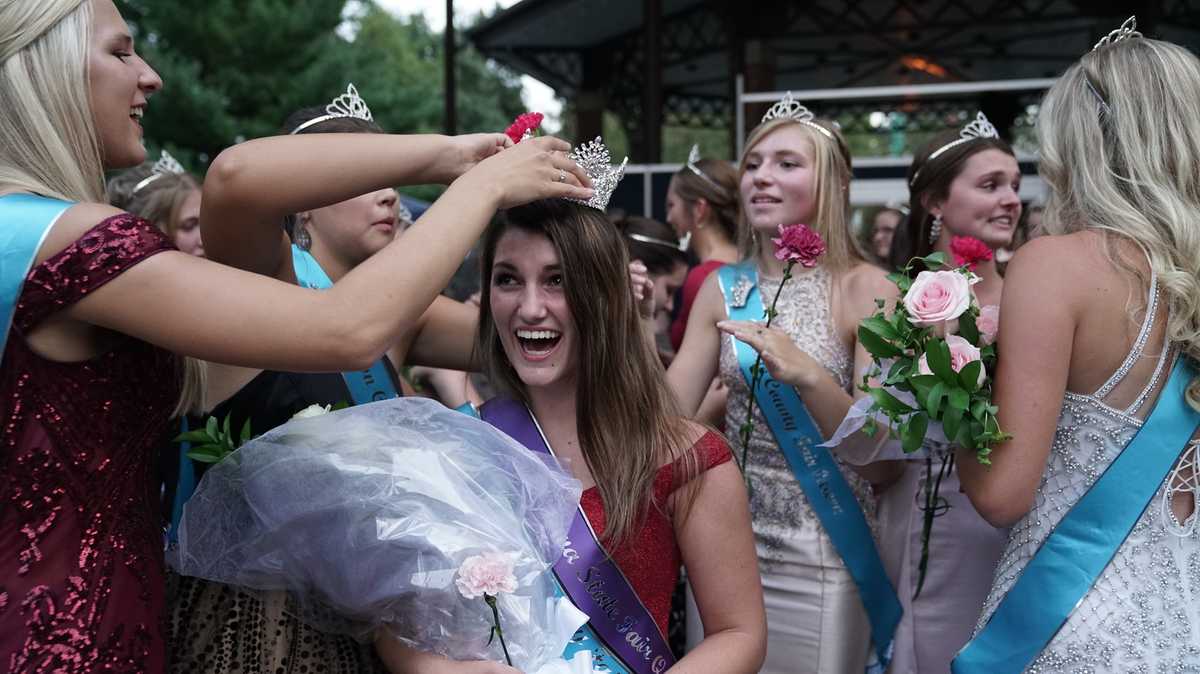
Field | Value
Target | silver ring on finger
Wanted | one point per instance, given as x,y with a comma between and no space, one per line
562,176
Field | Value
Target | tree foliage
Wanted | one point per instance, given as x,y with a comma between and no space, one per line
234,69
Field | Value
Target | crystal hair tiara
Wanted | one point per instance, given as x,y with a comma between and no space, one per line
692,160
594,159
1127,31
789,108
979,128
348,105
166,165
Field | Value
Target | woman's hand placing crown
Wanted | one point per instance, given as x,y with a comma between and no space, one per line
466,151
535,168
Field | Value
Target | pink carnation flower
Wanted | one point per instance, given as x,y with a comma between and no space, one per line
798,243
488,574
525,123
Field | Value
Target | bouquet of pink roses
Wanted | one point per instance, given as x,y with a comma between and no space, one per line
934,355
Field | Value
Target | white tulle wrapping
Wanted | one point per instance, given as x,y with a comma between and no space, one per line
366,514
885,448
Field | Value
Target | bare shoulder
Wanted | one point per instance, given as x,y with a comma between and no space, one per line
1064,255
710,301
74,223
864,283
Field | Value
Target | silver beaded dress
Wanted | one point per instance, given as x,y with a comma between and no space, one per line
815,619
1143,613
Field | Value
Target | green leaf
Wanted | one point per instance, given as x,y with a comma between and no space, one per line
969,375
198,435
245,434
967,328
888,402
959,399
876,345
934,400
978,409
880,327
952,420
339,406
912,433
935,261
207,454
937,354
902,281
900,371
211,428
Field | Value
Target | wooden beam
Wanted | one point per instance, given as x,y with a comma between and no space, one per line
450,101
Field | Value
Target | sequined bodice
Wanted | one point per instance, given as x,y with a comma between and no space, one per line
81,581
781,512
1143,613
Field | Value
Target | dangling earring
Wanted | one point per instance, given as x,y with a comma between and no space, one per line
301,236
935,230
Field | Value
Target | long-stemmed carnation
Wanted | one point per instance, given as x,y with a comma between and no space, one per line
796,244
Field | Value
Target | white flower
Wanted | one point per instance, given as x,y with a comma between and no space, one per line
488,574
312,411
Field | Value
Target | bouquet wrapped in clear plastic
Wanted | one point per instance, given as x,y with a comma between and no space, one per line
366,514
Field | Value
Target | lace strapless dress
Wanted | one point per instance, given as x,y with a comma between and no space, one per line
1143,613
815,619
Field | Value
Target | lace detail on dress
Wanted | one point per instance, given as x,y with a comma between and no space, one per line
781,512
1143,613
81,583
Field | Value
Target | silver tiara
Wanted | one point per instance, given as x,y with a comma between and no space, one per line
979,128
595,161
680,246
1126,31
692,160
166,165
348,105
789,108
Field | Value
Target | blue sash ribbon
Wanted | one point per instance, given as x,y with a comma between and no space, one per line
370,385
1074,555
25,220
621,634
815,469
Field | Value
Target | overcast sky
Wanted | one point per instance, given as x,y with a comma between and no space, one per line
538,96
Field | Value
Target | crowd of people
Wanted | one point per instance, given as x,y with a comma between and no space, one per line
292,276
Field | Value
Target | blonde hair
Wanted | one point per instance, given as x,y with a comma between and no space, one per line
48,141
831,185
1120,151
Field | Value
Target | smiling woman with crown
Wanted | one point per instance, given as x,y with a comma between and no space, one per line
93,319
560,332
829,602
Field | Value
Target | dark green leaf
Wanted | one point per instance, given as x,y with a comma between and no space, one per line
935,261
967,329
888,402
969,376
978,409
339,406
207,454
226,433
937,354
880,327
211,427
959,399
934,400
912,434
245,434
198,435
951,421
876,345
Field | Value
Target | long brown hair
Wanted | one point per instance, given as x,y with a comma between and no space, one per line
831,183
627,419
929,181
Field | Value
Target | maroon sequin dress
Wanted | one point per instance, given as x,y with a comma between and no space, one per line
81,568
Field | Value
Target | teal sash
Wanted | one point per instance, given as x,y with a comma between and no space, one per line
370,385
831,498
25,220
1085,540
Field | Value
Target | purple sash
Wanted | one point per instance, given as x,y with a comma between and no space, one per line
586,573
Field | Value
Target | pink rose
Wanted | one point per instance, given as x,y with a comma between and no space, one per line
988,323
798,243
487,574
961,353
937,297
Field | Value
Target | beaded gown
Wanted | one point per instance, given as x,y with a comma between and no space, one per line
81,577
815,619
1143,613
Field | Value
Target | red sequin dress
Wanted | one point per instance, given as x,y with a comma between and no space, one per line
651,559
81,568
